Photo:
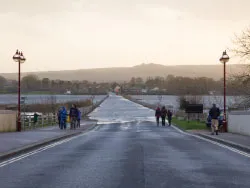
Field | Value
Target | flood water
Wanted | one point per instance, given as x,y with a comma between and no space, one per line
38,99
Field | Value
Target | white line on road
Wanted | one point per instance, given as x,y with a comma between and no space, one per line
12,160
213,142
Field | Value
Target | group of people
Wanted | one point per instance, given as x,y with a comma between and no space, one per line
163,113
74,116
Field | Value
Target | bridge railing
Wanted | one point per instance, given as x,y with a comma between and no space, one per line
43,120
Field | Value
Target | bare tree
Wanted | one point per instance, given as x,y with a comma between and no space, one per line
195,99
242,50
242,44
191,99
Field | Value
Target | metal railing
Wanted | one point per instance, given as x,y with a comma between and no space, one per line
44,120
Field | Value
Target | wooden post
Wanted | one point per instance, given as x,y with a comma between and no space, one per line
29,121
23,120
42,120
47,119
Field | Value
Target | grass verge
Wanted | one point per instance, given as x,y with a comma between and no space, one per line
191,125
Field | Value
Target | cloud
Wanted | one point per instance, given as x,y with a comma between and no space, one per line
112,33
159,13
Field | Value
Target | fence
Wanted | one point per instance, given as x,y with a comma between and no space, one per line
43,120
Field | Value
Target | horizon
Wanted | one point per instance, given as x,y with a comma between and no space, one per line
65,35
142,64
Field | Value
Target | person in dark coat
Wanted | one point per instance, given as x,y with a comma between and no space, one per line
58,117
158,115
214,113
73,114
163,115
79,118
35,118
169,114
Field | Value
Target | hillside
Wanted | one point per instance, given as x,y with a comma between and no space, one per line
143,70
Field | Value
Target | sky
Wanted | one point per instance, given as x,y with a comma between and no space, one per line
79,34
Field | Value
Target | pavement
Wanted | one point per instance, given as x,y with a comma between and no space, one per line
237,141
14,143
128,153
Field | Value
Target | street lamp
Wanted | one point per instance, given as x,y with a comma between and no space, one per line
19,58
224,59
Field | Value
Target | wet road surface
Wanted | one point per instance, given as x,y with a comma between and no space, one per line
129,151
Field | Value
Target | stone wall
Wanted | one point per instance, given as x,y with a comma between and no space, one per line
239,122
7,121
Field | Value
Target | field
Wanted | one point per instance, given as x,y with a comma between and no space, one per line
173,101
39,99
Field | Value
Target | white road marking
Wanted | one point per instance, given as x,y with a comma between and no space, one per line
15,159
214,142
12,160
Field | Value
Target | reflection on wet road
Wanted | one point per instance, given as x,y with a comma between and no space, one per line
116,109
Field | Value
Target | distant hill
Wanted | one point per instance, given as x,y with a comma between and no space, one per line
126,73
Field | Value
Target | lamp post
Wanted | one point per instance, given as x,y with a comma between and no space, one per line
19,58
224,59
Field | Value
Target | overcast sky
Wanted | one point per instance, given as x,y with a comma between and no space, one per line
76,34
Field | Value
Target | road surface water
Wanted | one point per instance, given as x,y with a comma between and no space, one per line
127,150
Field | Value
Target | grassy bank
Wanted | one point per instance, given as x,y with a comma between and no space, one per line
40,93
191,125
50,107
47,106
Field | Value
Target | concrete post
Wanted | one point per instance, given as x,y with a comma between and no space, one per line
42,120
29,121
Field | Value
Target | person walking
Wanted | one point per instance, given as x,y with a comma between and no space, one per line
169,114
35,119
73,114
158,115
63,117
58,117
79,115
214,113
163,115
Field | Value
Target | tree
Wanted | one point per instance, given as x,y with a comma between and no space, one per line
242,44
113,85
242,50
132,82
30,82
183,103
45,83
2,83
139,81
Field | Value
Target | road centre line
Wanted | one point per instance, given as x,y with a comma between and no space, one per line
15,159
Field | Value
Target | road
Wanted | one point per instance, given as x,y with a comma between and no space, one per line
127,150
